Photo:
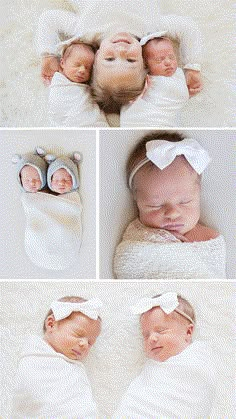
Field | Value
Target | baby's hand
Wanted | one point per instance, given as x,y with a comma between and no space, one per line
194,82
50,65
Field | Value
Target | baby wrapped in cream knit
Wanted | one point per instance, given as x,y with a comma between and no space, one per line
151,253
50,385
183,386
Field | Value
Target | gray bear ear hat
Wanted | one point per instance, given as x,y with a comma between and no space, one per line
35,160
67,163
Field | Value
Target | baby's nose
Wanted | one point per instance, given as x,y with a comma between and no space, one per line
83,342
153,337
172,211
81,69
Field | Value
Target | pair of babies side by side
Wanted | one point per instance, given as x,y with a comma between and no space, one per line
52,207
119,71
178,379
167,240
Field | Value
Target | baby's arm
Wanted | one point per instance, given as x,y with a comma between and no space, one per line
51,24
186,31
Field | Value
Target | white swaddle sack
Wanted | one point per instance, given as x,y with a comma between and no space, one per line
183,386
144,254
51,386
161,104
53,228
70,104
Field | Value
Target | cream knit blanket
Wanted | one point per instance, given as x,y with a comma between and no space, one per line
51,386
53,228
147,253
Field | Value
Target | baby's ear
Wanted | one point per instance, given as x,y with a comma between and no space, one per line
16,158
50,158
40,151
77,157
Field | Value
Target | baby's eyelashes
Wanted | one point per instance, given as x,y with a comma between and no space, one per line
109,58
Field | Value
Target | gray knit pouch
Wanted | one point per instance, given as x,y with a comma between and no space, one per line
67,164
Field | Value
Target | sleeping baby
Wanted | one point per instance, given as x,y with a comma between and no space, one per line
166,93
51,381
52,207
167,240
179,378
69,100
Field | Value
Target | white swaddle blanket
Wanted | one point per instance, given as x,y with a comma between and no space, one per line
51,386
183,387
148,253
53,228
160,106
70,104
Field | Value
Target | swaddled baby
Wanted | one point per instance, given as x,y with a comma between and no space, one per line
179,378
167,240
53,215
51,381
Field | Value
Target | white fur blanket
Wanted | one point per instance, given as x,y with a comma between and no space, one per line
181,387
53,228
137,258
50,385
21,70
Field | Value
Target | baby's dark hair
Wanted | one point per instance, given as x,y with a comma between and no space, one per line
68,48
70,299
139,151
184,306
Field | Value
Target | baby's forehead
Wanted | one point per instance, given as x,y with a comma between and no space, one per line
29,169
158,44
81,50
61,172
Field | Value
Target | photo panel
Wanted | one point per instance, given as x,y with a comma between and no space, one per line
48,235
118,357
118,208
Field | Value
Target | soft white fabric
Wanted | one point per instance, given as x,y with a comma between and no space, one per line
161,104
51,386
183,386
144,253
115,16
63,309
167,302
53,228
70,104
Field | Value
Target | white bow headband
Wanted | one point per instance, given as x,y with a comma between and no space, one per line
162,153
63,309
168,302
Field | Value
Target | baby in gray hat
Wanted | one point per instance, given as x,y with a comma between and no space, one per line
31,170
62,174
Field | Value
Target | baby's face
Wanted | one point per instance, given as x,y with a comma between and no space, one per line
168,199
61,181
30,179
164,335
77,67
73,337
160,58
119,62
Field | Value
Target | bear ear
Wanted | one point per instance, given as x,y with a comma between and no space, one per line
16,158
77,156
40,151
50,158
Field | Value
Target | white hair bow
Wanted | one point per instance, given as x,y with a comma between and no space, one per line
168,302
63,309
162,153
151,36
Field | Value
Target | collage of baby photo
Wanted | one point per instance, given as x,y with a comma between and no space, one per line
117,217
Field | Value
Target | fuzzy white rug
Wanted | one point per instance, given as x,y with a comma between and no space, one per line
117,356
23,96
